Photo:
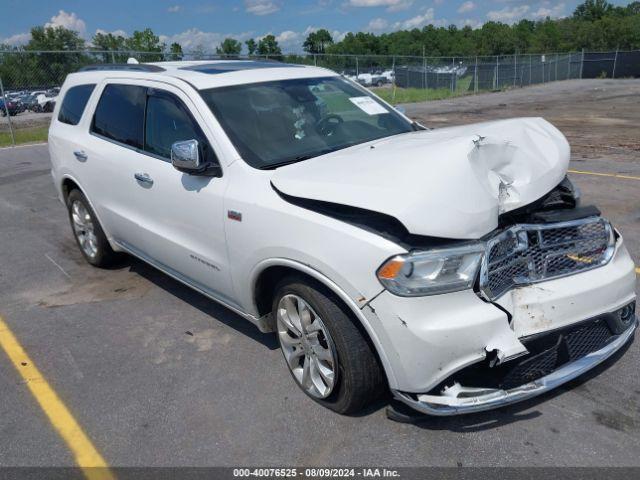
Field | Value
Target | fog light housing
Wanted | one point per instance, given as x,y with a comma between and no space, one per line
626,313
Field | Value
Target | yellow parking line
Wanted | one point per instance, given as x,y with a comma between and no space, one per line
598,174
86,455
638,270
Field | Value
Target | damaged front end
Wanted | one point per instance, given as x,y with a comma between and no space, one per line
507,287
553,358
548,341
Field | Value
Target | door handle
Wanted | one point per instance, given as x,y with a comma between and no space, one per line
143,178
80,155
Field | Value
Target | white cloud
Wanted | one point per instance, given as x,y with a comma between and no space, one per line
392,5
69,21
174,8
16,40
546,10
470,22
466,7
261,7
290,41
195,39
416,22
509,14
115,33
377,25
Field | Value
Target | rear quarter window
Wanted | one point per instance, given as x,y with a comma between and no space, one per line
75,100
119,115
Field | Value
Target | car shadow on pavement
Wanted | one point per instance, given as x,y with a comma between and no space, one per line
481,421
474,422
207,306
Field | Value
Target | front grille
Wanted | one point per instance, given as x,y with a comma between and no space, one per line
525,254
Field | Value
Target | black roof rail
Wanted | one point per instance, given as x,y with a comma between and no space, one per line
135,67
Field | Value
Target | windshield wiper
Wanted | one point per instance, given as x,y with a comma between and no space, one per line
297,159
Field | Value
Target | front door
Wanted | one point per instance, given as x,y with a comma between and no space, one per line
174,219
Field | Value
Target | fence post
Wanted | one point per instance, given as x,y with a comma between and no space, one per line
556,79
582,64
6,111
530,68
393,69
497,75
475,80
615,60
315,60
357,67
453,69
515,68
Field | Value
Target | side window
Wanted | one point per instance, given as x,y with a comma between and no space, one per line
120,114
169,121
74,102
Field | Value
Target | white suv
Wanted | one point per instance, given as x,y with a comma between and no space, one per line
454,266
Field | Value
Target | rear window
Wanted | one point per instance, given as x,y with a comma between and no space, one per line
74,102
120,114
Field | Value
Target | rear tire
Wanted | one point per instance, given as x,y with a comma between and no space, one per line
334,344
88,233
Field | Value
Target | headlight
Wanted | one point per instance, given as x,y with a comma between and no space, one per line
432,272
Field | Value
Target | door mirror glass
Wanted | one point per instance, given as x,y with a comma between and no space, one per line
185,156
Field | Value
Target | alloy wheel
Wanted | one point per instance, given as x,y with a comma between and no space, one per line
307,346
83,229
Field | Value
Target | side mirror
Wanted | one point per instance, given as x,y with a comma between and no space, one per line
185,156
400,109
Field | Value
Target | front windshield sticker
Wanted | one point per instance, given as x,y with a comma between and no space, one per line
368,105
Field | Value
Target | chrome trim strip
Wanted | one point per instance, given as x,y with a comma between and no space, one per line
442,405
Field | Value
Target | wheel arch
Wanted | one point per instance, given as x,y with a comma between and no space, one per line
69,183
267,275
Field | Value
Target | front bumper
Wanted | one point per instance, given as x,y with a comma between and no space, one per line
428,341
475,400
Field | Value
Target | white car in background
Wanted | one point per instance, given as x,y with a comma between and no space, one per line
455,266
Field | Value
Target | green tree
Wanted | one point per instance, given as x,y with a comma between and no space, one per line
110,45
54,38
317,41
148,42
175,51
229,46
593,10
268,45
252,46
38,68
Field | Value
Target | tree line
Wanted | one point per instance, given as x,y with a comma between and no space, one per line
594,25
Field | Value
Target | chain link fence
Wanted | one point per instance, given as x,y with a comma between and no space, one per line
30,80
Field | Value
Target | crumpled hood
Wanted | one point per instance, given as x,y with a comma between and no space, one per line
449,182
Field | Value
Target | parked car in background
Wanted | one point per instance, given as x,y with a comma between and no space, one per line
371,79
13,107
46,102
455,267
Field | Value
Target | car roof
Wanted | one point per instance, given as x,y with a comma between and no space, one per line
203,74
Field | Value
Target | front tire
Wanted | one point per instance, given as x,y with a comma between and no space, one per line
88,233
327,355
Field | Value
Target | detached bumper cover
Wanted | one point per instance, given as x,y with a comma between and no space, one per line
469,400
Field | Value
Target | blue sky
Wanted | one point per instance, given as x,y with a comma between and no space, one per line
202,23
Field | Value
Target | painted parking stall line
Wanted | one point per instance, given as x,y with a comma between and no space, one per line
86,455
599,174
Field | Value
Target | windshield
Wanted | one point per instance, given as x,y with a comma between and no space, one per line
276,123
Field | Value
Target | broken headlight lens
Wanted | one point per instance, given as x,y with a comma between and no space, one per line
432,272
